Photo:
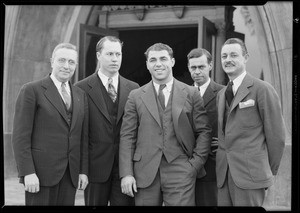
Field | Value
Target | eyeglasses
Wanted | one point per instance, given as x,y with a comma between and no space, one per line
62,61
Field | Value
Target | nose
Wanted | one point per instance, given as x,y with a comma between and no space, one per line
114,57
158,63
198,70
66,65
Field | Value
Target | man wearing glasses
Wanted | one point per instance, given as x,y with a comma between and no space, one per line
50,134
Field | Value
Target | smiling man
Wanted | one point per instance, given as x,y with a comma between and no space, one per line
165,137
251,132
50,134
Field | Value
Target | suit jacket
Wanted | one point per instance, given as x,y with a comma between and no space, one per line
253,142
43,141
210,105
141,132
103,140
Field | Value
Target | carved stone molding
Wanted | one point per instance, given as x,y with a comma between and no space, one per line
245,12
221,26
139,12
178,10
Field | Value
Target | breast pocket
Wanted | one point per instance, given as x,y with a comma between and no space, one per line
248,117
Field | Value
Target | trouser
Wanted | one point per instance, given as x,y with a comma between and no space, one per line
174,185
99,194
62,194
231,195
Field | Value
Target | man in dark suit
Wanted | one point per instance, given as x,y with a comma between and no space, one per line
200,64
165,136
251,132
50,134
106,107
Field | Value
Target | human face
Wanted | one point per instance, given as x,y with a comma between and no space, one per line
63,64
199,69
159,64
233,61
110,58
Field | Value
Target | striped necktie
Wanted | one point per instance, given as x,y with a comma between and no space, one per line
111,90
66,96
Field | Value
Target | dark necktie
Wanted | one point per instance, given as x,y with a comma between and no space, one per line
111,90
161,96
229,93
66,96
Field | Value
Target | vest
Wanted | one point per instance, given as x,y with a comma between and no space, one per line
170,146
112,107
68,111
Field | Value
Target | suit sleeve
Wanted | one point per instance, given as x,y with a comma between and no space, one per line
202,131
274,128
25,110
128,137
84,140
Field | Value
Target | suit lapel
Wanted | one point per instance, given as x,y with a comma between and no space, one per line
178,100
54,97
124,92
208,95
221,106
76,105
149,99
96,96
242,91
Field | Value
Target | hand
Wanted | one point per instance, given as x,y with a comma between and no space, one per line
127,184
32,183
82,181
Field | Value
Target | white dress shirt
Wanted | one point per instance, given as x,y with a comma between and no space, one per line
237,82
57,83
104,80
166,91
203,87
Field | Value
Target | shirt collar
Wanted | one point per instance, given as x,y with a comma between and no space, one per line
168,86
203,87
104,79
237,82
57,83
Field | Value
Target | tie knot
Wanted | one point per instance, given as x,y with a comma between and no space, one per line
230,83
63,84
110,80
162,86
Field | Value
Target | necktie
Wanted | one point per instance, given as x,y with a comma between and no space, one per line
161,96
111,90
229,93
66,96
199,90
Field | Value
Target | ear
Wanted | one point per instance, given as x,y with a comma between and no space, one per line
98,55
211,65
246,56
51,62
173,61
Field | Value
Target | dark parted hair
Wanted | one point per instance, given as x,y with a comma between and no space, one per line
198,52
100,43
159,47
237,41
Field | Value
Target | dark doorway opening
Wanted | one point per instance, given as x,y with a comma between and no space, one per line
136,42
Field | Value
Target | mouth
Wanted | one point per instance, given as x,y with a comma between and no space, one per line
114,65
229,65
65,72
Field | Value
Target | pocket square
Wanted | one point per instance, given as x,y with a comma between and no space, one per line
247,103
